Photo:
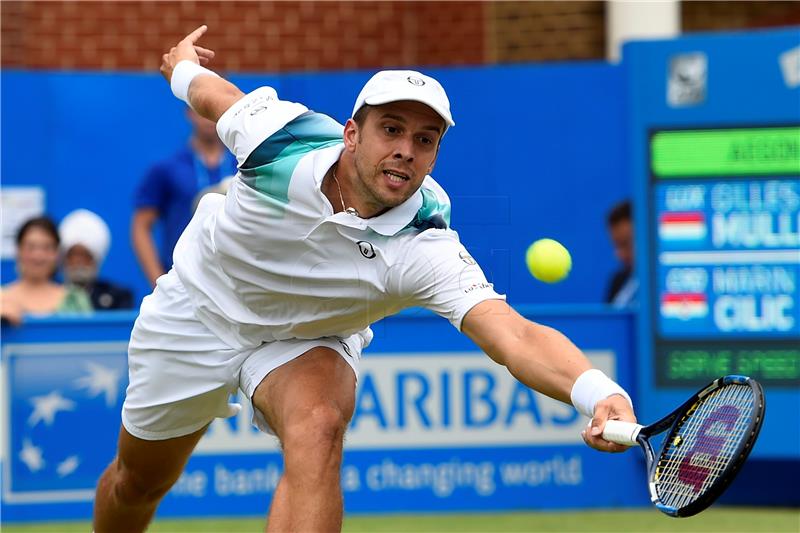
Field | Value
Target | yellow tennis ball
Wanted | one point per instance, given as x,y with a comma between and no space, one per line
548,260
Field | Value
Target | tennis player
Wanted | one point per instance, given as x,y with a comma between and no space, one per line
325,230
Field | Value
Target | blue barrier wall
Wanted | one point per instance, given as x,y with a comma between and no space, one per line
438,426
538,151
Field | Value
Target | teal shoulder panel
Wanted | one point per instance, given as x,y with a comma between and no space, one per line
432,213
271,165
310,127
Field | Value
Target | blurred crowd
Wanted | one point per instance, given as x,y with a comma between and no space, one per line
75,249
58,266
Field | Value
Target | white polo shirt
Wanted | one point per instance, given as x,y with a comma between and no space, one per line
271,261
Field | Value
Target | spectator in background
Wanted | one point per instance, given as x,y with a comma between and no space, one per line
35,292
85,239
167,192
623,285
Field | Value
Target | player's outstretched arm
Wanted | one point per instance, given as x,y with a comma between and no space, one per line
543,359
202,89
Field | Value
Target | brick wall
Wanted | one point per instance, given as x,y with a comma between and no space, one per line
249,36
714,16
301,35
544,31
289,36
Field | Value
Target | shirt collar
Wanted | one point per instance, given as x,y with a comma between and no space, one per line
386,224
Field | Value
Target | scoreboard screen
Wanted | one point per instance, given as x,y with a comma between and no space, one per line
726,261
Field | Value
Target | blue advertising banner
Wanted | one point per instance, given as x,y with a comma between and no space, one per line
442,428
61,397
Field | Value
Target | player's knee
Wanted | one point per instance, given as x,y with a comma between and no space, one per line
132,488
319,425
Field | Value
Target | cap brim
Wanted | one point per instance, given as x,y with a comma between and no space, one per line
394,97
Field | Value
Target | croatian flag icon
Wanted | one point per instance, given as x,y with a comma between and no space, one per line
684,306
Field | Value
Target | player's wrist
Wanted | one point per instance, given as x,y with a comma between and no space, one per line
592,387
182,76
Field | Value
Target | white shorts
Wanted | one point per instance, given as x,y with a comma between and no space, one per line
181,375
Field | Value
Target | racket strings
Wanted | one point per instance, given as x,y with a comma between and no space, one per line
703,444
693,462
699,460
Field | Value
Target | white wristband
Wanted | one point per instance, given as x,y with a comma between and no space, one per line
591,387
183,74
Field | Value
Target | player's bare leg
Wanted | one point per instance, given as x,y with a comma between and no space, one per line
278,518
134,483
308,402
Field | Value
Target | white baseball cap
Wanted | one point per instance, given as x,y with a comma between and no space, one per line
395,85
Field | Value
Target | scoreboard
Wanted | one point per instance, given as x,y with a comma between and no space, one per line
726,264
714,124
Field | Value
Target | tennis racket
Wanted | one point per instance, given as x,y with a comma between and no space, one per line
707,440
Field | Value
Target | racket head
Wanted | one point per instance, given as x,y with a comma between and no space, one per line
710,437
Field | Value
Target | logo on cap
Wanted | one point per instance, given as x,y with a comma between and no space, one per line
415,81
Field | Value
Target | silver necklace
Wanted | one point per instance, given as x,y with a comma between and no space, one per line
349,210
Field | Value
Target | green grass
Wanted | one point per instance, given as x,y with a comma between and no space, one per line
721,519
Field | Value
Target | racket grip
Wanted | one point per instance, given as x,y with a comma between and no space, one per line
621,432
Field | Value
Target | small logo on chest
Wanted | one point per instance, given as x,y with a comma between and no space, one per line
366,249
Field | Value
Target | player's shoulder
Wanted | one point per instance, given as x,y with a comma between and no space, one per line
274,129
251,104
431,252
428,241
259,111
434,210
435,239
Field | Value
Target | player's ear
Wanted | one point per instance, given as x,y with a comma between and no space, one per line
350,135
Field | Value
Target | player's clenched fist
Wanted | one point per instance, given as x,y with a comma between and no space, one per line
186,49
614,407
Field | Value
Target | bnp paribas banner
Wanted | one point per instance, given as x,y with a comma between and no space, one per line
431,431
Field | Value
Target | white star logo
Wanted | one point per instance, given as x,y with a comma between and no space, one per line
31,456
101,379
68,466
46,407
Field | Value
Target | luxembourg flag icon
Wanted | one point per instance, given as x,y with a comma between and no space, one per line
682,226
684,305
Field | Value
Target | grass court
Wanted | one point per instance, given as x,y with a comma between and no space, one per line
720,519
